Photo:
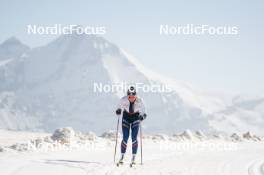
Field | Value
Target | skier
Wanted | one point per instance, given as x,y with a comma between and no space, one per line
133,110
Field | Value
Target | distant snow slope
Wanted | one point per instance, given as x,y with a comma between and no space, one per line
13,116
4,62
54,83
12,48
246,113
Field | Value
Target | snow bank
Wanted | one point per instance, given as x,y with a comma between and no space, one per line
188,135
68,137
110,135
91,136
218,136
248,136
236,137
200,135
252,137
156,137
63,135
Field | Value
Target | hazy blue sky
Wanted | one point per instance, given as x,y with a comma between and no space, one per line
217,63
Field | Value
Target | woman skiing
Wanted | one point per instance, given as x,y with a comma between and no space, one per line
133,110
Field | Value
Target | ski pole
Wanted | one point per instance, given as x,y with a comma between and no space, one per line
141,143
116,137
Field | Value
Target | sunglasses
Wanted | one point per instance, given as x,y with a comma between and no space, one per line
131,93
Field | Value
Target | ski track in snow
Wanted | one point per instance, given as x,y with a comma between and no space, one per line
249,160
256,167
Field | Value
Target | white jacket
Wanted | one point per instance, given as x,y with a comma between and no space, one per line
138,105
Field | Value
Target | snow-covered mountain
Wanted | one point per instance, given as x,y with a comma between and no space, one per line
245,113
54,85
12,48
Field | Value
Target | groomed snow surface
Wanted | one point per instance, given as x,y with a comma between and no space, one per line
68,152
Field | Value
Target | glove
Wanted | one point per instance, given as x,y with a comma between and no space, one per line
142,117
118,111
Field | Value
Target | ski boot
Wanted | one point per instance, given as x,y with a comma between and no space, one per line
133,161
121,161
